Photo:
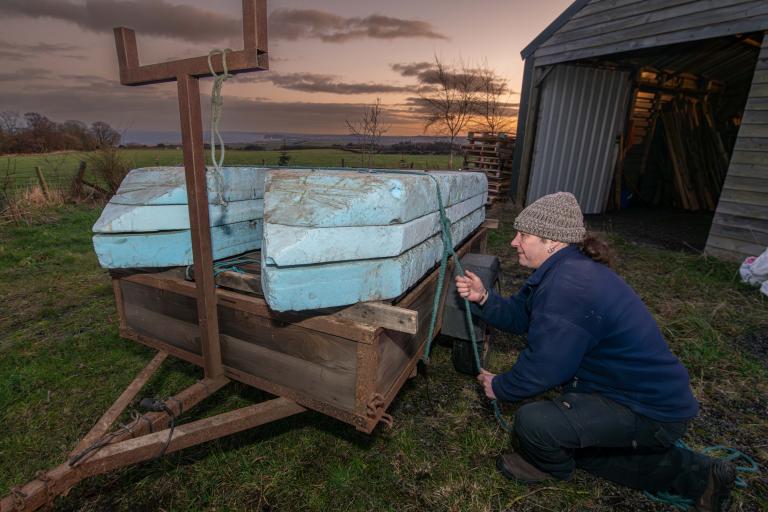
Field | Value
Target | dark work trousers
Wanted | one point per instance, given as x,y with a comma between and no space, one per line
596,434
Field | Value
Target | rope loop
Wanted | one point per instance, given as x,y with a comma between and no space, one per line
217,106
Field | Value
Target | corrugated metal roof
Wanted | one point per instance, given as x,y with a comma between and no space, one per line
580,116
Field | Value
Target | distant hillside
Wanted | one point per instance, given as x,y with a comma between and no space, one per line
272,139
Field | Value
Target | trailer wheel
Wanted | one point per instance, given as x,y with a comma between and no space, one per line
464,358
462,355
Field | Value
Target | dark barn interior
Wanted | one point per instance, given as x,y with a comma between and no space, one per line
686,108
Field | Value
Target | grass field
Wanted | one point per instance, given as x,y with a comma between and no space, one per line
60,167
62,364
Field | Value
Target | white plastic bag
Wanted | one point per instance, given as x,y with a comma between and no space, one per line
754,271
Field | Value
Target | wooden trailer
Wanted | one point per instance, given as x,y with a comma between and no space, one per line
348,362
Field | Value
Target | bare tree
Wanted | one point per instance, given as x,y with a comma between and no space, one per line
104,135
450,103
492,105
41,134
9,128
76,135
368,131
9,122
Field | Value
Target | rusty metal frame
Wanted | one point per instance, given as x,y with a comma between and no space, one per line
148,435
187,74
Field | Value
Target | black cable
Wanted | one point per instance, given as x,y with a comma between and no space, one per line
169,412
156,405
105,440
150,404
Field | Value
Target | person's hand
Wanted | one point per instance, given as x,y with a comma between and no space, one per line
470,287
485,378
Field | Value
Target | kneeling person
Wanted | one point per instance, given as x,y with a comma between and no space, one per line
626,397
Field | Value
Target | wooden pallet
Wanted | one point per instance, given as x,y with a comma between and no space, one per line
486,165
492,148
491,154
497,173
482,159
487,136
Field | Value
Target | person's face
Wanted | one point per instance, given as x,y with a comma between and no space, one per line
532,250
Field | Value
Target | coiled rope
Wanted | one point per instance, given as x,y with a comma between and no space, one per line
732,455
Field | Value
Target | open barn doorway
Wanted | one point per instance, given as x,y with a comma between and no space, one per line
685,110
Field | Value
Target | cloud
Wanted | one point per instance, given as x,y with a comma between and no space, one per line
11,55
24,74
313,82
148,17
295,24
479,78
419,107
425,72
195,24
18,52
413,68
156,108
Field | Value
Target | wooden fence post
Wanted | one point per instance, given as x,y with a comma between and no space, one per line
76,189
43,184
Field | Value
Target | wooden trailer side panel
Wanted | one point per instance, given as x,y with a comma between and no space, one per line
399,352
350,370
314,365
164,316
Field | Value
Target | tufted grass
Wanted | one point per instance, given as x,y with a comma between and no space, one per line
62,364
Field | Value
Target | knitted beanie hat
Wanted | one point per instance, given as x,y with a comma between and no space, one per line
554,217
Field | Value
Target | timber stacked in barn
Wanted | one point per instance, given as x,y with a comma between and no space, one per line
674,154
695,150
492,153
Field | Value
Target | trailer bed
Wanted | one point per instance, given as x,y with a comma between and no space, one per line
348,363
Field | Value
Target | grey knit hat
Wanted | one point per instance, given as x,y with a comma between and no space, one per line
554,217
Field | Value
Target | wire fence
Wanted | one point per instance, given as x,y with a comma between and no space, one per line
23,172
54,175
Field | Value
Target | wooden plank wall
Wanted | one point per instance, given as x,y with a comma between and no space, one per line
604,27
740,226
316,365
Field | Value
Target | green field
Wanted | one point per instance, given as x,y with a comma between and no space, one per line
60,167
62,363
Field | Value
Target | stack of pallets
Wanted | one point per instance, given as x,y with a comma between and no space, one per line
492,154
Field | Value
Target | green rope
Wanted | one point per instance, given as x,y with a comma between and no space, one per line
445,231
232,265
217,106
732,454
228,265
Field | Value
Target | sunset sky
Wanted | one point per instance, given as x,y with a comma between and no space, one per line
328,58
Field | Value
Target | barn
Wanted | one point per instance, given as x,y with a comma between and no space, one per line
656,102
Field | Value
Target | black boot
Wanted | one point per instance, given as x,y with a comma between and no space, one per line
514,467
717,495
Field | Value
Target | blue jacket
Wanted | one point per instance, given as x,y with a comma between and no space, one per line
588,330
